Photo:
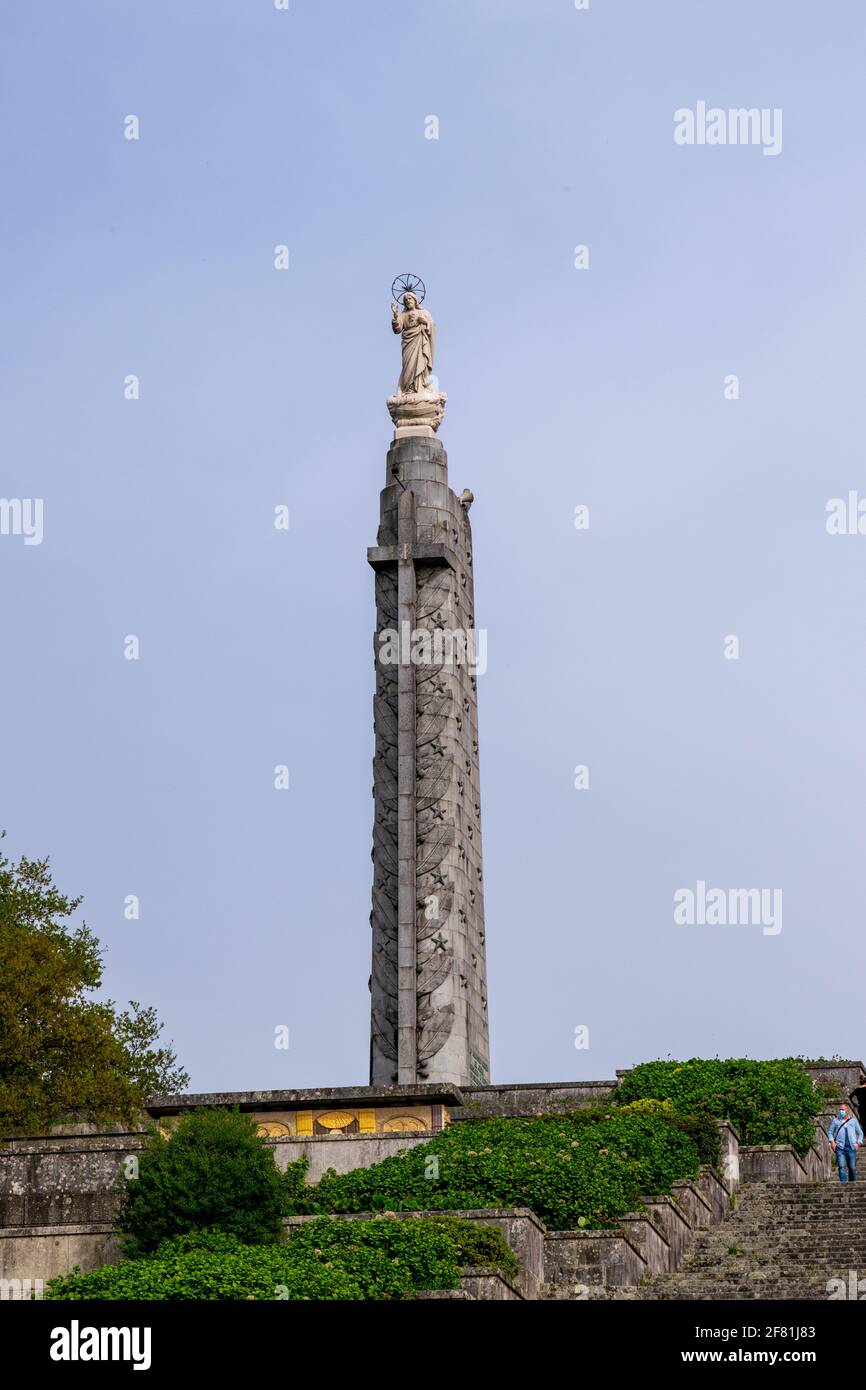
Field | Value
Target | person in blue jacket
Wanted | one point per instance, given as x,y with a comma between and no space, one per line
845,1137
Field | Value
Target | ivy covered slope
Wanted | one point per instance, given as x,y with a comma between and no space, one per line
767,1102
584,1168
326,1259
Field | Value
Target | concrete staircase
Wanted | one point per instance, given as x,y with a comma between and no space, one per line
782,1241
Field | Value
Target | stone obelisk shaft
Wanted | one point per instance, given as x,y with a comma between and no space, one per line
428,982
407,1050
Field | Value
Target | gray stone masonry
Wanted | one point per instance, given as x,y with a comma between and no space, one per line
783,1241
59,1193
478,1286
428,982
532,1098
316,1097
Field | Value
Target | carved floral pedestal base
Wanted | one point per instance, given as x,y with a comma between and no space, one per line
416,413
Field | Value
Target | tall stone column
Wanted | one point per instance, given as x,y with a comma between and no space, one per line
429,980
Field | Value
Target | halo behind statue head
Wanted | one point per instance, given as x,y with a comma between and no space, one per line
408,284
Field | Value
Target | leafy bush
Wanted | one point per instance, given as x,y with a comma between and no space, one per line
581,1169
766,1102
325,1259
703,1128
477,1246
213,1172
482,1247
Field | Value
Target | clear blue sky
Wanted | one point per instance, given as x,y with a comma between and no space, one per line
602,387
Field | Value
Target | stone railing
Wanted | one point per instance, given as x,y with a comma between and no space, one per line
780,1163
481,1286
651,1241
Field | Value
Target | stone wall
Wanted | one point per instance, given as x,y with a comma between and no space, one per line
40,1253
343,1153
534,1098
58,1192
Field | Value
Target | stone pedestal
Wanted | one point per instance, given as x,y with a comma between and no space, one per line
419,413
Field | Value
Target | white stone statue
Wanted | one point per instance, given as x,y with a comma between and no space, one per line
419,341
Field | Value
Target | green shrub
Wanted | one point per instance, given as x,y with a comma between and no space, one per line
469,1243
703,1128
766,1102
650,1106
325,1259
581,1169
477,1246
213,1172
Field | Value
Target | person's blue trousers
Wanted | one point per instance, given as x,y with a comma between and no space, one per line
847,1161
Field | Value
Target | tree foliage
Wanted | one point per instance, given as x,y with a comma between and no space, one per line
64,1054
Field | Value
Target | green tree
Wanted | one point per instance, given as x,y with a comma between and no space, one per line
65,1055
213,1172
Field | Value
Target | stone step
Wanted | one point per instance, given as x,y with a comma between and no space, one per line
781,1241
